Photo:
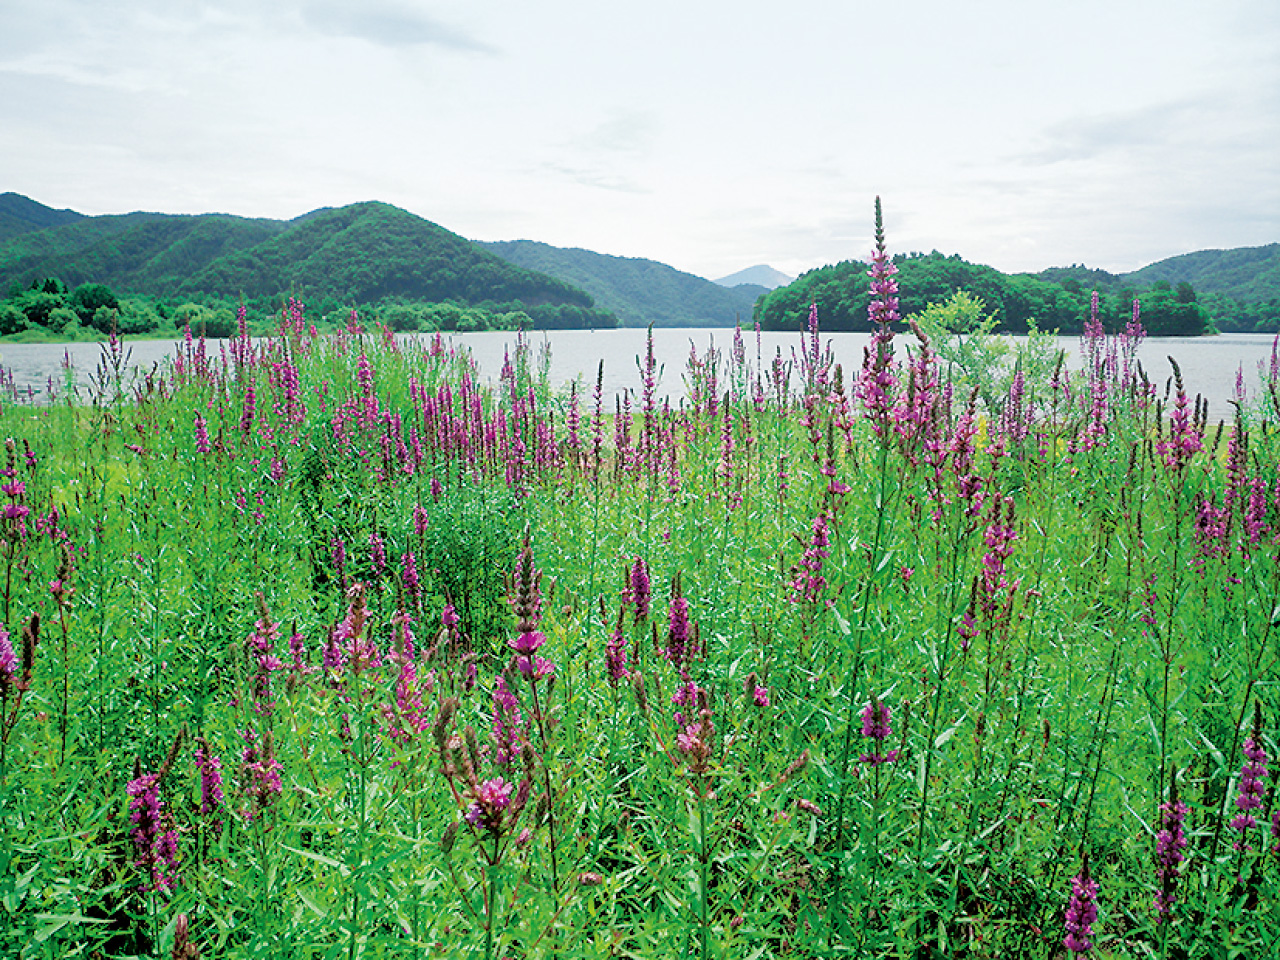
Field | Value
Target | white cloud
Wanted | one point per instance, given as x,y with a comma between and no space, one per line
711,136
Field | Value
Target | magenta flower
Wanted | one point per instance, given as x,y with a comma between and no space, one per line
761,696
681,642
155,842
1082,912
639,589
211,797
527,642
808,583
508,724
259,773
202,435
449,617
490,801
877,382
8,662
876,728
1251,788
1171,841
1184,439
615,651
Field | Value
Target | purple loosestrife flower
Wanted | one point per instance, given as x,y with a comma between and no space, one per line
508,725
409,579
338,555
211,796
877,382
202,435
155,842
247,410
406,718
597,424
1252,787
378,555
755,692
359,652
259,646
808,583
8,663
681,640
1184,439
695,742
1082,912
490,801
916,414
876,728
259,773
526,602
1256,527
639,589
998,537
1171,841
1211,530
615,651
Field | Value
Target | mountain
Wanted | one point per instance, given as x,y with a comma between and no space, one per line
1058,302
1250,274
760,275
358,254
369,251
640,292
19,215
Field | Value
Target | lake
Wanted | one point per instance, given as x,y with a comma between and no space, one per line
1209,364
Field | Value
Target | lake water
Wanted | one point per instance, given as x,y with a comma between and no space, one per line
1209,364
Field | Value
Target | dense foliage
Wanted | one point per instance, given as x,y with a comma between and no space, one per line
321,647
640,292
1051,301
19,215
364,256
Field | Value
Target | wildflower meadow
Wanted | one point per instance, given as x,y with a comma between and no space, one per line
321,647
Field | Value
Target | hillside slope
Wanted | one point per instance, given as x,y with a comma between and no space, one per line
639,291
19,215
359,254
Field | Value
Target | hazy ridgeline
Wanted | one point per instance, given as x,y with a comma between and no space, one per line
321,648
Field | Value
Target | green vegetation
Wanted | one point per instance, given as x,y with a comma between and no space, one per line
320,648
1240,288
1054,300
640,292
368,257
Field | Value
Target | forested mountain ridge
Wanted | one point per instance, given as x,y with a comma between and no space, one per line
1225,290
363,254
19,215
1248,274
639,291
417,275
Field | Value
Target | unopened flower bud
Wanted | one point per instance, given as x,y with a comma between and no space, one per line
796,766
450,835
637,686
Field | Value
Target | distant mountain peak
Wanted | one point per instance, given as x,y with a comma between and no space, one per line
761,275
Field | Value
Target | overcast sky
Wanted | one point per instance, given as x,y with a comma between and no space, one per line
705,134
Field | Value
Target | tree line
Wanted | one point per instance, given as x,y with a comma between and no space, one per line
47,309
1019,302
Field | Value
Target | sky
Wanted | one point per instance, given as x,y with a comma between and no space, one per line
707,135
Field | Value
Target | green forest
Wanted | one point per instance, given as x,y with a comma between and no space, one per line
1056,299
64,275
151,273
